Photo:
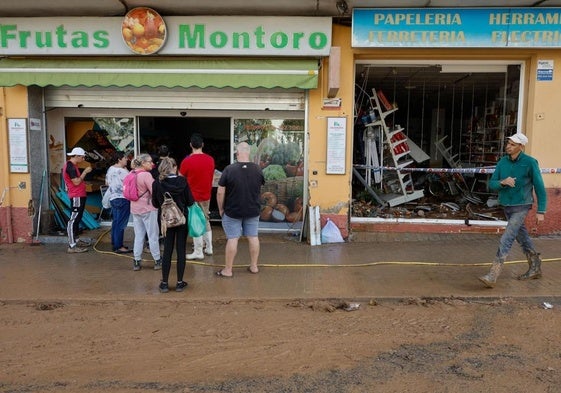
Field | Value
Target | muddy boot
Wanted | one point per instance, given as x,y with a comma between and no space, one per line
207,238
534,266
491,278
198,251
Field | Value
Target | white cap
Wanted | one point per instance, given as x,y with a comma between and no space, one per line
77,151
519,138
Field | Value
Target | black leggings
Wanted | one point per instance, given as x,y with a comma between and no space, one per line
174,236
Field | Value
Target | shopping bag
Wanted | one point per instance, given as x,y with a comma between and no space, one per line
105,200
196,221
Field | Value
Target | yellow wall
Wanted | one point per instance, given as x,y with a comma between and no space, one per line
13,104
544,98
333,192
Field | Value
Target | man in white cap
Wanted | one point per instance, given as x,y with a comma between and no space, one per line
76,189
516,177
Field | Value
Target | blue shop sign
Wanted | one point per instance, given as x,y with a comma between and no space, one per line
456,28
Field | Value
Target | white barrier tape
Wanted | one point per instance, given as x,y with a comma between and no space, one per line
483,170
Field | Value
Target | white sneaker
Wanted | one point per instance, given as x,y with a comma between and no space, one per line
76,249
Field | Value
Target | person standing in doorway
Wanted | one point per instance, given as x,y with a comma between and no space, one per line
144,214
238,194
198,169
516,177
76,189
177,187
163,152
120,206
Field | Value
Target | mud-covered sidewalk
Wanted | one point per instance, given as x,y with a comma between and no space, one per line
424,266
395,316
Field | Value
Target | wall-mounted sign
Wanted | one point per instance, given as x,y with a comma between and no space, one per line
336,145
34,124
457,27
143,30
545,70
17,136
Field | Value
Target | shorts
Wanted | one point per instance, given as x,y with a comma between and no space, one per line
236,227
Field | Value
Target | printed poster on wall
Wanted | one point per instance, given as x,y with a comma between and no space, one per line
17,135
336,145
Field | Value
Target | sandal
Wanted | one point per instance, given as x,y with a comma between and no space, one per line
220,274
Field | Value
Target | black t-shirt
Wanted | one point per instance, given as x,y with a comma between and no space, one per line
243,181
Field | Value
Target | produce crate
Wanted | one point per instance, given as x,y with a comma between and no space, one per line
286,190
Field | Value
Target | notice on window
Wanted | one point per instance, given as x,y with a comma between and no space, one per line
17,134
336,145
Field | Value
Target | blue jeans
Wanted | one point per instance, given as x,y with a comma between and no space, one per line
515,230
120,210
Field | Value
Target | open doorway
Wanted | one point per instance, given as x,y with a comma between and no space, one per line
176,131
412,117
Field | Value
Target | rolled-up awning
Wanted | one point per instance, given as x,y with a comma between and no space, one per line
236,73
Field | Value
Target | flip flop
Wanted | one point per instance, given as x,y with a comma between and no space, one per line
119,251
251,271
220,274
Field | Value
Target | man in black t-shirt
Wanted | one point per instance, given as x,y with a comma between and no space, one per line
238,204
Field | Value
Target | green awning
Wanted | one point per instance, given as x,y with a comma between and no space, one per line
252,73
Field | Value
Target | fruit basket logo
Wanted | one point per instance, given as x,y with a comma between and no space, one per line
144,30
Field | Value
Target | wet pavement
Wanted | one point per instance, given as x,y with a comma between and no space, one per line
405,266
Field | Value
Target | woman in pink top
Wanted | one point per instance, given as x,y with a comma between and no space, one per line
144,214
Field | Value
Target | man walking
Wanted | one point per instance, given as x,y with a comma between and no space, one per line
238,204
198,169
76,189
516,177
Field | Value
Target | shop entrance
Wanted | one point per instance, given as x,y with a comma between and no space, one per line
175,132
411,117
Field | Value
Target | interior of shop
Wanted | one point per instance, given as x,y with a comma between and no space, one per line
175,132
277,146
412,117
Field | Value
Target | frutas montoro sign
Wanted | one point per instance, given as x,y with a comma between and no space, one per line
196,36
241,36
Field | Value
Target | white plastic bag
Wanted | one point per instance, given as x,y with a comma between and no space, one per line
330,233
105,200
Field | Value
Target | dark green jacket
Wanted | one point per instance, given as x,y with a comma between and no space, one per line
526,170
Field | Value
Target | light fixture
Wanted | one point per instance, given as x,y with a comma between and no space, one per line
342,7
471,68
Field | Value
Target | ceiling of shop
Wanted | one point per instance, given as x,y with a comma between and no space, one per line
415,82
14,8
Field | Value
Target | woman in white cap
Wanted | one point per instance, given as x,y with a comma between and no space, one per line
516,177
76,189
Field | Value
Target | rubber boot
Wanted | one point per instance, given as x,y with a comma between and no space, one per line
207,238
534,267
490,278
198,249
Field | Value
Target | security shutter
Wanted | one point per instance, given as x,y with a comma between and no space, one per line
176,98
